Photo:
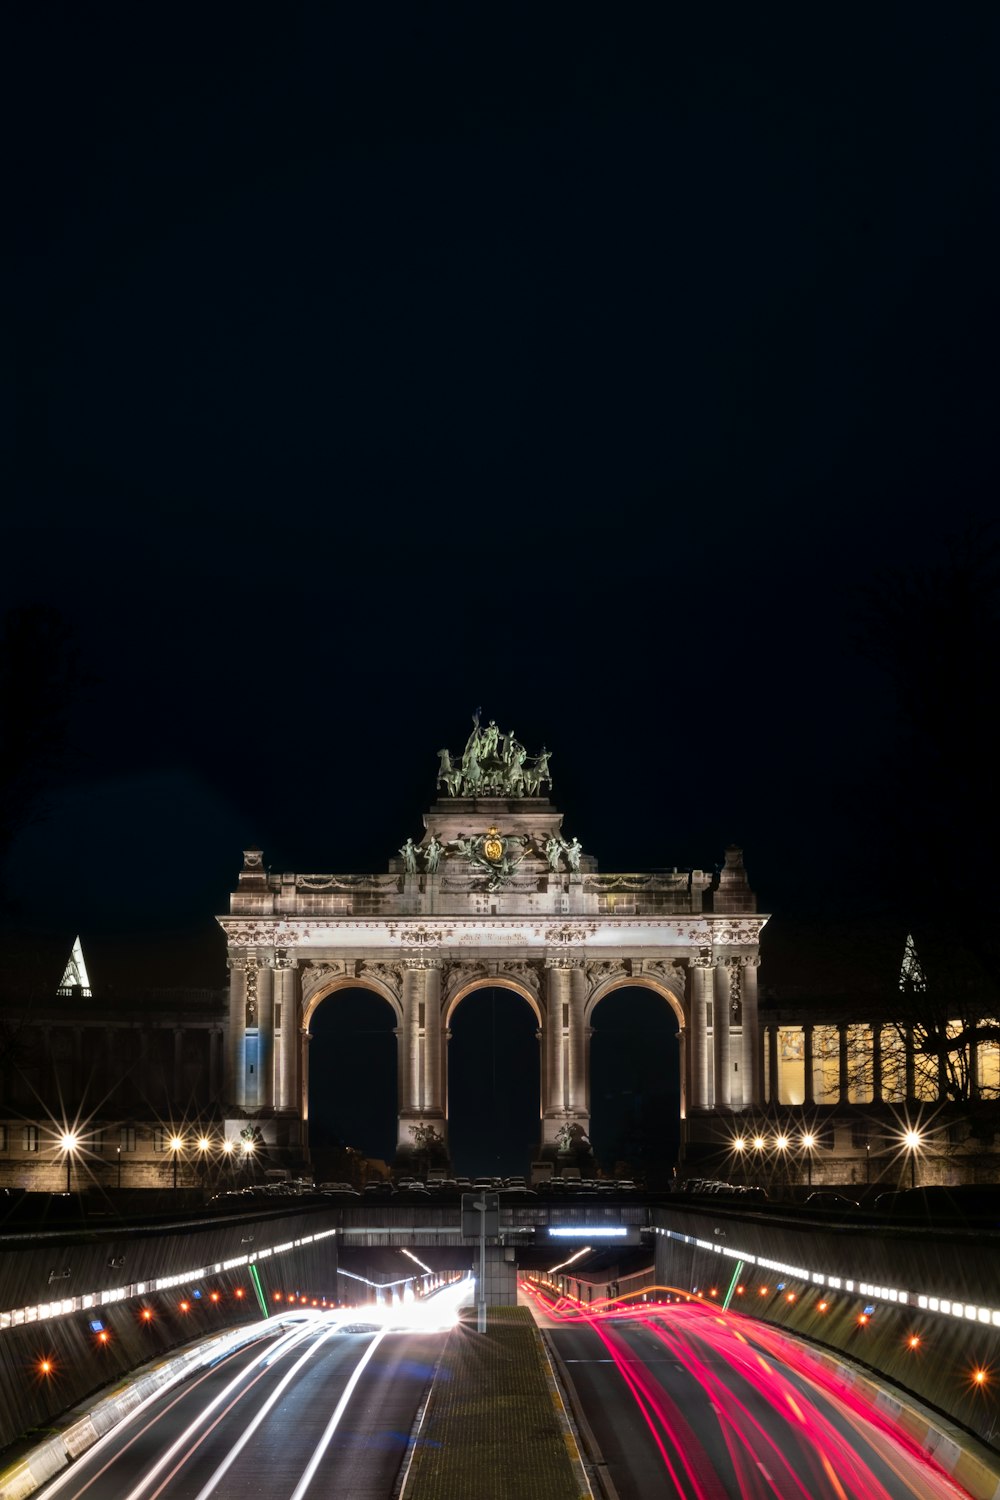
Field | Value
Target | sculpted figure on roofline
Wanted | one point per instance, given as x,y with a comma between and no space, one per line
493,764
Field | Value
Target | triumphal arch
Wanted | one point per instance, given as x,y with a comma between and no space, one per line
492,894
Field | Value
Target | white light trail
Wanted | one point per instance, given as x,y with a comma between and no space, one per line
333,1424
203,1416
262,1412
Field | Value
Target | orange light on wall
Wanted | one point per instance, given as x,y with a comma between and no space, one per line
102,1337
740,1290
146,1315
238,1292
45,1367
822,1306
913,1342
979,1377
277,1296
213,1296
184,1306
763,1291
862,1319
789,1296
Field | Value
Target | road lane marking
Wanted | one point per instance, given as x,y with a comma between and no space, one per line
334,1422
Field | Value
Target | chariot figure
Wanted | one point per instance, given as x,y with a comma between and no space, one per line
448,773
488,741
538,772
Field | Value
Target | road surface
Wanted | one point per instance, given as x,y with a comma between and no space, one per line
684,1400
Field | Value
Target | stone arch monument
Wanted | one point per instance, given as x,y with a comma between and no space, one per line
493,893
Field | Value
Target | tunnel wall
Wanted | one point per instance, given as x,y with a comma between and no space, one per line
960,1267
120,1260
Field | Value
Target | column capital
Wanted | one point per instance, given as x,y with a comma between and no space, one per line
701,961
419,965
566,962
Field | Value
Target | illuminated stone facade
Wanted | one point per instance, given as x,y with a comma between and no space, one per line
493,895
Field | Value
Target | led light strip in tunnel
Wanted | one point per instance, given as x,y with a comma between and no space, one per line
64,1306
972,1312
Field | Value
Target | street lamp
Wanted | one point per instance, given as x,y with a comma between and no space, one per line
176,1142
781,1145
912,1141
808,1142
68,1143
204,1145
758,1145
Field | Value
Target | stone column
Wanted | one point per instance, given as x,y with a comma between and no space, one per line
752,1091
722,1062
234,1087
682,1070
698,1001
772,1064
577,1089
587,1035
557,1015
434,1099
265,1038
411,1048
909,1066
973,1068
845,1081
305,1037
288,1096
809,1064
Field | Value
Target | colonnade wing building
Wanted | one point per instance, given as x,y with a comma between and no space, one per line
492,895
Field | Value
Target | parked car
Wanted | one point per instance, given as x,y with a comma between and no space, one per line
829,1202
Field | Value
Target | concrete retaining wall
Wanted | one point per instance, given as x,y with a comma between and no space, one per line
938,1370
109,1259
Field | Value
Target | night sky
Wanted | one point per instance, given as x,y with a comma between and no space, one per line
607,369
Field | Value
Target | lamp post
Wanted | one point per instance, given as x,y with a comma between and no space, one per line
204,1146
781,1145
808,1142
119,1166
176,1142
913,1140
68,1143
758,1146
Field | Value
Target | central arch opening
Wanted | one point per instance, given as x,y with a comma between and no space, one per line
635,1086
493,1084
352,1080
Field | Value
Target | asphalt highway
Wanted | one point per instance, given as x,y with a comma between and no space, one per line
317,1410
687,1401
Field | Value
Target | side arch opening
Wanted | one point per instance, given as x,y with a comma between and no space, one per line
635,1084
352,1091
494,1085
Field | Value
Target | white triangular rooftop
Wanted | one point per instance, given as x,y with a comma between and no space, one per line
911,974
75,974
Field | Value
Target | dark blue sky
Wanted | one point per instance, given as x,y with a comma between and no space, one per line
365,367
